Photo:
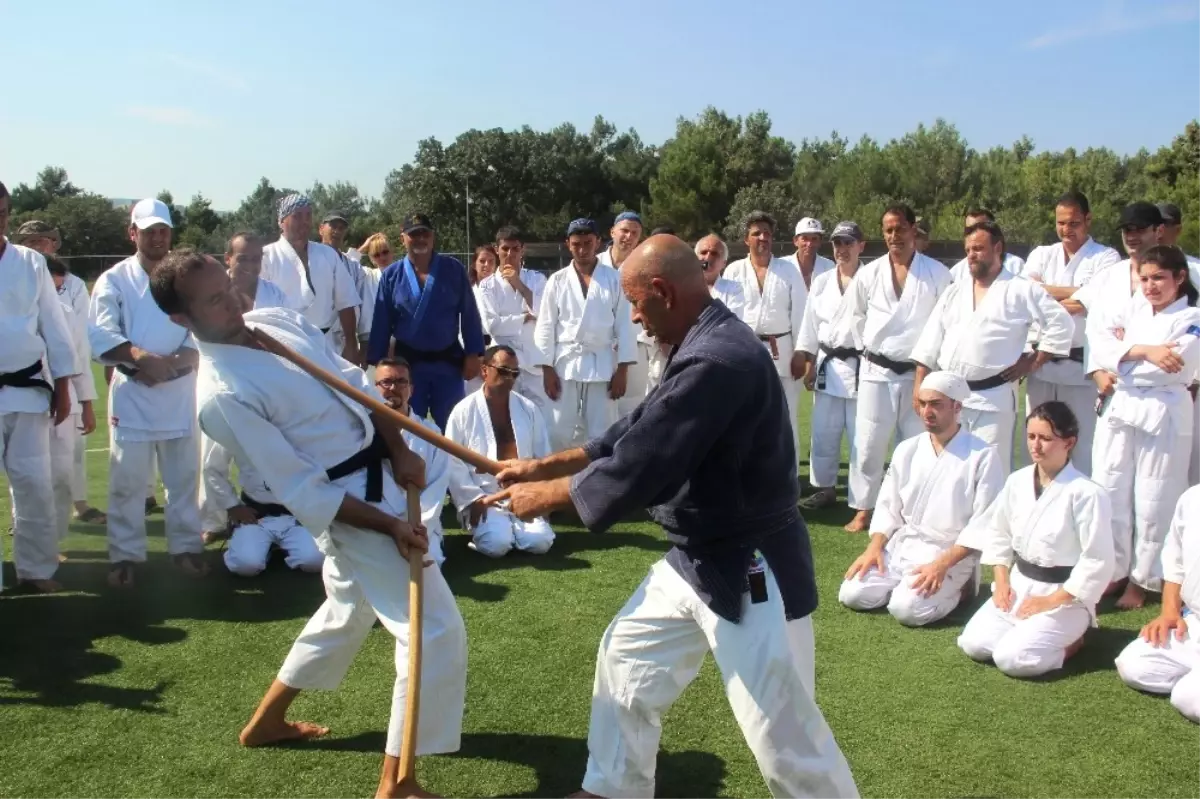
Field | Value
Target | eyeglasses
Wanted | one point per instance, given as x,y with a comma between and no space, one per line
398,382
504,370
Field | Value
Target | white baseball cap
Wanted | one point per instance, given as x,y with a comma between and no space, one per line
809,225
150,212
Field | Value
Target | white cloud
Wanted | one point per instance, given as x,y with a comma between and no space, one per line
1116,19
169,115
219,75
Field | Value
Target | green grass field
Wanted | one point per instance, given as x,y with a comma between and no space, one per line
143,694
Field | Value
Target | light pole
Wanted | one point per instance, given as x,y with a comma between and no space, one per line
466,199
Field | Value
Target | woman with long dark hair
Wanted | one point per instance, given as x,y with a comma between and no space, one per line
1048,537
1144,435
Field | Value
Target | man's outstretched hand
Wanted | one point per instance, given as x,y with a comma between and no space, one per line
528,501
518,470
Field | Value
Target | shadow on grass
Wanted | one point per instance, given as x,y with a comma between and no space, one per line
558,762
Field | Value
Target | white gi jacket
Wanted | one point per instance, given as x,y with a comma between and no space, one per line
122,310
584,337
889,325
33,328
502,310
331,288
777,310
824,324
1070,524
1181,550
980,342
470,424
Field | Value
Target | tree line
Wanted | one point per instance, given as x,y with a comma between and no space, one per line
706,178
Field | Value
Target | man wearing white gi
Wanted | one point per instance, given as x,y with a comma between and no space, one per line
714,254
1012,263
585,341
511,298
393,378
809,234
979,329
1063,269
498,422
151,405
891,299
313,276
707,453
1169,234
832,365
938,481
37,345
775,295
1048,539
73,293
626,232
325,458
1165,658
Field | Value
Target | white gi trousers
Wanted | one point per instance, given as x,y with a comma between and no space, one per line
250,546
1024,647
63,441
1144,476
637,380
1082,402
893,588
500,532
25,456
1173,669
213,517
531,386
831,417
79,487
1194,465
883,408
365,578
992,427
654,648
128,464
583,409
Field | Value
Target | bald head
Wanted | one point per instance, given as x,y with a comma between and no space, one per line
665,285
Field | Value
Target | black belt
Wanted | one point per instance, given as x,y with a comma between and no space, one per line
899,367
131,372
452,354
1043,574
487,340
264,510
995,381
371,459
1076,355
769,338
842,354
29,377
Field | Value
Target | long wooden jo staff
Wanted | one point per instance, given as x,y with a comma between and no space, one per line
416,567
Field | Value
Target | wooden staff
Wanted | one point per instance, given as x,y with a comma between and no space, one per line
481,462
412,701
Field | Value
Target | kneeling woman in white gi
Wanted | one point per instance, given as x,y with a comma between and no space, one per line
1165,659
1144,437
1049,538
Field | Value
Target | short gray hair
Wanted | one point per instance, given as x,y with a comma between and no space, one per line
759,218
721,241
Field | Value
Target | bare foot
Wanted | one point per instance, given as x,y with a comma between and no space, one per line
1114,586
264,734
404,789
860,522
1073,648
42,586
192,565
1133,598
121,575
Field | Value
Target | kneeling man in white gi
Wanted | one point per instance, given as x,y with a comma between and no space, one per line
498,422
938,481
323,456
393,378
1165,659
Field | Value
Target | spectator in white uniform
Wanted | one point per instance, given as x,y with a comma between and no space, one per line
714,255
626,234
314,277
832,365
152,404
1169,234
483,266
809,236
1064,269
333,229
378,250
509,303
775,295
37,363
45,238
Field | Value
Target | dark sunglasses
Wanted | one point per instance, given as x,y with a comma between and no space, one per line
504,370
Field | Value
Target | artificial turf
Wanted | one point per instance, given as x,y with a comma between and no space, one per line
104,693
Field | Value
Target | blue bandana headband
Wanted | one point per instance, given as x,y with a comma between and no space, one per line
292,203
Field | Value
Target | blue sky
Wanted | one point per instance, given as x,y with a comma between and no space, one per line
208,97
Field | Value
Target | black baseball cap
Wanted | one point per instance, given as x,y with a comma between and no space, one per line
417,221
334,216
1140,215
582,225
1170,213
